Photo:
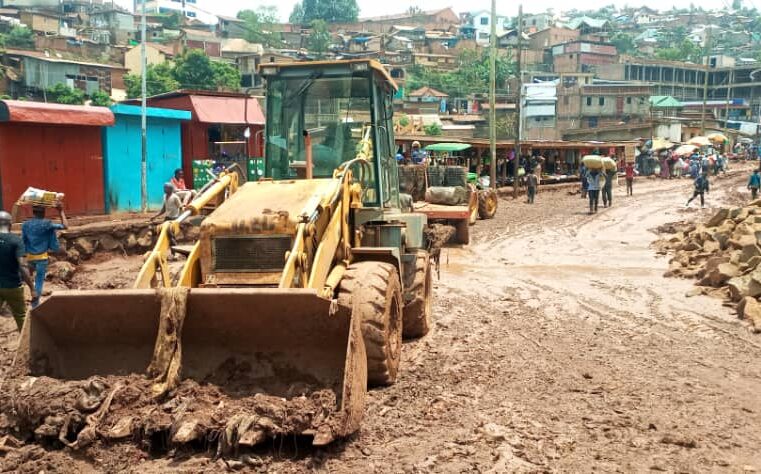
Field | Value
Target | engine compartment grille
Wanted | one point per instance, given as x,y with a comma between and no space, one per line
260,253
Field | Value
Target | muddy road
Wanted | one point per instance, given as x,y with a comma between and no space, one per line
558,346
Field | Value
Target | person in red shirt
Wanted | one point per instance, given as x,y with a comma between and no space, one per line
178,181
629,178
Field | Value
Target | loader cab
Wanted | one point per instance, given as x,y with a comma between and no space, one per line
342,106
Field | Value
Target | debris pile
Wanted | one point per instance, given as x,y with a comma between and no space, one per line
76,414
723,253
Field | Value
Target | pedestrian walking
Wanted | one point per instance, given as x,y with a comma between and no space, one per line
607,189
39,237
629,169
754,182
13,270
531,184
593,189
583,177
701,188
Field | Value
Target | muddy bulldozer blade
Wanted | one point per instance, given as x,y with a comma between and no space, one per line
249,343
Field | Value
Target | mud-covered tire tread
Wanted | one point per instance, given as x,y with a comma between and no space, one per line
485,210
418,311
370,289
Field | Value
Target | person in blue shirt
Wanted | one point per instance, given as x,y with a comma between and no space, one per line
593,189
418,155
701,187
39,236
754,182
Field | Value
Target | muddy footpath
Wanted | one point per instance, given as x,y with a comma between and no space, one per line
559,346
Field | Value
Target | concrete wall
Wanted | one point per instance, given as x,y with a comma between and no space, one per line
132,58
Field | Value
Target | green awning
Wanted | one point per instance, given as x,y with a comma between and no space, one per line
664,101
447,147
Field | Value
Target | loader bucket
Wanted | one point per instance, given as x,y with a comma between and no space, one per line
245,341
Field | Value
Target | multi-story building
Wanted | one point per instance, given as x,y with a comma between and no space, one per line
120,25
199,10
477,26
537,22
687,82
551,36
582,56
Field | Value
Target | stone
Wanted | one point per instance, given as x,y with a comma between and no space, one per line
748,252
62,270
131,241
738,214
734,257
711,246
145,240
740,241
714,262
750,309
742,286
108,243
753,262
722,238
689,246
719,275
84,246
72,255
718,218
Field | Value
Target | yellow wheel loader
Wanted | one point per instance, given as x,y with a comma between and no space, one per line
308,277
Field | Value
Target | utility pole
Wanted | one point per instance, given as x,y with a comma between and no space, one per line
492,96
705,82
143,118
519,103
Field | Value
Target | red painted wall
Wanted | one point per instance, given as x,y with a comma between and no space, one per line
67,159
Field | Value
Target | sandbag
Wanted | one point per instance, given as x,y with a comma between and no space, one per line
609,164
592,162
448,196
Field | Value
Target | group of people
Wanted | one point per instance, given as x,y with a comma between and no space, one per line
26,256
595,182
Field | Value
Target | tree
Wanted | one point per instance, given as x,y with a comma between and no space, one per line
171,21
684,51
259,26
19,37
63,94
159,79
623,42
100,98
737,5
472,75
319,38
226,76
331,11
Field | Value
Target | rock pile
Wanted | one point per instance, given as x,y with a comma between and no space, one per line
723,253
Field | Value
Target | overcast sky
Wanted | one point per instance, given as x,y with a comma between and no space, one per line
504,7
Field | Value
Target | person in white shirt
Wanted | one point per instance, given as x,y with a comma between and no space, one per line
172,206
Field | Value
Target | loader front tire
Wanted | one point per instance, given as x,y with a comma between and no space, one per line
487,203
418,311
373,291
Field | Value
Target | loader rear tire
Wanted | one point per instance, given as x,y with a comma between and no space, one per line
418,311
462,232
373,291
487,203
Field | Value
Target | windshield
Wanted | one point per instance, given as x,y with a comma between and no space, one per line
335,111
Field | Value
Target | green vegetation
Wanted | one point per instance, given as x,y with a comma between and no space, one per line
331,11
63,94
192,70
18,37
433,130
471,76
684,51
100,98
319,38
259,26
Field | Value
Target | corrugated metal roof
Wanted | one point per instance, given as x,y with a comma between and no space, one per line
153,112
55,114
